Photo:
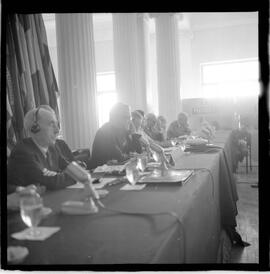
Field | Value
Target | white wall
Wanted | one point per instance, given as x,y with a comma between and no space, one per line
221,44
206,45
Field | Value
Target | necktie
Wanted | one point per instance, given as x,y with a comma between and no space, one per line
48,160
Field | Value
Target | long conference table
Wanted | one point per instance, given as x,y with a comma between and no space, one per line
178,223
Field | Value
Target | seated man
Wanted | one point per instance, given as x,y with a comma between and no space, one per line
241,140
152,132
40,159
162,125
179,127
113,141
206,130
137,120
151,129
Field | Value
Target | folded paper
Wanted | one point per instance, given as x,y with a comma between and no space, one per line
45,232
132,187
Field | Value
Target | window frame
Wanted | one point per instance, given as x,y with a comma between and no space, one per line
218,84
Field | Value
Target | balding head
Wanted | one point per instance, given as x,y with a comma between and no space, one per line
182,118
150,120
161,120
44,117
120,115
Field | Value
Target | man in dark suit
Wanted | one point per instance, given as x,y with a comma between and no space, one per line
114,141
40,159
179,127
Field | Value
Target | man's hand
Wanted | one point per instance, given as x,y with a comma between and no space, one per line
47,172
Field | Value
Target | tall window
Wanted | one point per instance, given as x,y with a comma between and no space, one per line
107,95
230,79
104,57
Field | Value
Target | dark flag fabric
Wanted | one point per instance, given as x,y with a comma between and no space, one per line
29,72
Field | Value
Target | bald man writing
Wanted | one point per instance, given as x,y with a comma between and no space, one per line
37,159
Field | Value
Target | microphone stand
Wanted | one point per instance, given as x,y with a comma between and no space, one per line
76,172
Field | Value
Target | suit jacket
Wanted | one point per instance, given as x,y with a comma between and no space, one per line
175,130
111,143
26,164
154,134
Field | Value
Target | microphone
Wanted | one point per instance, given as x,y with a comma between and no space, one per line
77,173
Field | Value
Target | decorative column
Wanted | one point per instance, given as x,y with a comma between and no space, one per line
168,62
186,83
77,78
150,64
129,59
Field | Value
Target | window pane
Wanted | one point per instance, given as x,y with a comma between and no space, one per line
106,82
105,103
239,89
231,79
210,91
233,71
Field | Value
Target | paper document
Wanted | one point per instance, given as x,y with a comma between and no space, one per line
108,169
132,187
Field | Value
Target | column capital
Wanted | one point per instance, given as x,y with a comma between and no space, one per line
144,16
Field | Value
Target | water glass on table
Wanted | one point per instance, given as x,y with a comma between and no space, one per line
142,162
132,171
174,142
31,209
182,146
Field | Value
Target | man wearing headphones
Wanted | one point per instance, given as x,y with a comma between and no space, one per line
36,159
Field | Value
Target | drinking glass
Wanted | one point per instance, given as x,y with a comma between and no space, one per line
173,142
142,162
132,172
156,156
182,146
31,212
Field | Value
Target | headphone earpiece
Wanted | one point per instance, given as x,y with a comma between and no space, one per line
35,127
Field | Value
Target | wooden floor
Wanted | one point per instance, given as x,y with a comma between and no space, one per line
247,219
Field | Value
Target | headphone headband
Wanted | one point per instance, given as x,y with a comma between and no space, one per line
36,114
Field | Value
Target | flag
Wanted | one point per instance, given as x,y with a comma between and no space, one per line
30,77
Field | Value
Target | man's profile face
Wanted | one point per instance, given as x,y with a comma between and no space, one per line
162,123
125,119
182,119
48,127
137,122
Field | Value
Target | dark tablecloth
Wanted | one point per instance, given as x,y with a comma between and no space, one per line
202,205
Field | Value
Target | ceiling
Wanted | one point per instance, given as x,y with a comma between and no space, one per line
202,20
195,20
187,21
